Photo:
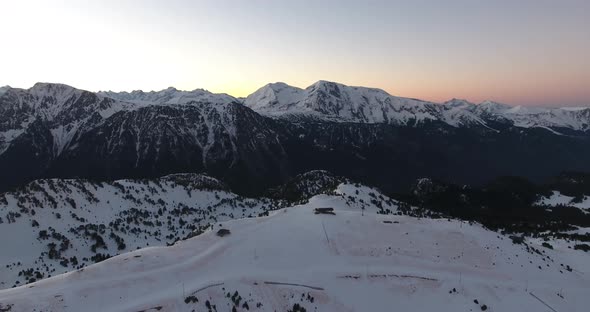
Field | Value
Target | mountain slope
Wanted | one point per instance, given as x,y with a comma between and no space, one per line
62,109
38,124
55,130
64,225
224,140
393,157
355,260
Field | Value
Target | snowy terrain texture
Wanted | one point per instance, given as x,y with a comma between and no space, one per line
63,225
364,257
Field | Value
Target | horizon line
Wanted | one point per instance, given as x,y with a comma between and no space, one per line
557,106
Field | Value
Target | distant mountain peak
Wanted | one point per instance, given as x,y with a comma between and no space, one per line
278,95
325,84
169,95
278,84
454,102
493,107
493,103
48,87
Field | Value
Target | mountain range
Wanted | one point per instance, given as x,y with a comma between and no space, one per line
337,102
279,131
194,201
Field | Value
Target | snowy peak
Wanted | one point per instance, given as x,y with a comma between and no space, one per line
169,96
50,100
54,99
338,89
278,96
458,103
492,107
51,89
342,97
353,104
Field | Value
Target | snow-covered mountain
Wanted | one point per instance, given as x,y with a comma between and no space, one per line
224,140
577,119
53,130
62,110
550,118
68,111
337,102
170,96
354,259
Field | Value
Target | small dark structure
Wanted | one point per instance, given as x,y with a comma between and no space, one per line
223,232
329,211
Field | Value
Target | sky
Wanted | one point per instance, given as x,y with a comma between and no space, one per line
525,52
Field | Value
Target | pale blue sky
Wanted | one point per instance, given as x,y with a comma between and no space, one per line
520,51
